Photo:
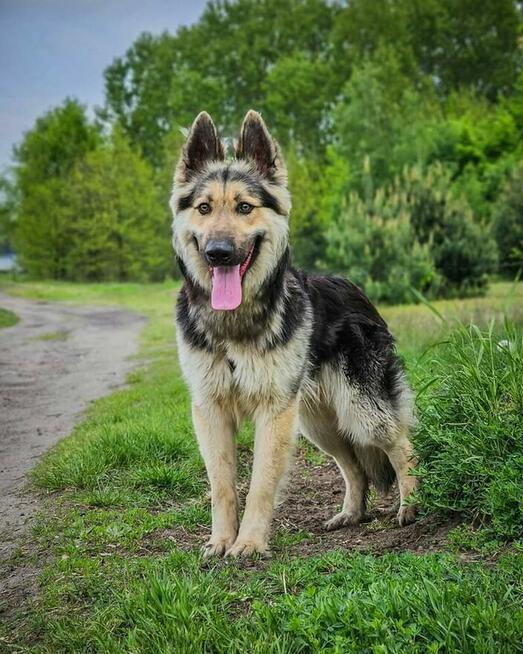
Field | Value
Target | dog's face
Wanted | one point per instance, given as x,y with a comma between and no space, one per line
230,225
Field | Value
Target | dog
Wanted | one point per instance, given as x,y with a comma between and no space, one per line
259,340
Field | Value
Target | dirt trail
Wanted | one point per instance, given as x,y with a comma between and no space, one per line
53,363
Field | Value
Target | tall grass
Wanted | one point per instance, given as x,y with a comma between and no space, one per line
470,439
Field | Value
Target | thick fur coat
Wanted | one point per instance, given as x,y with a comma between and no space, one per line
288,350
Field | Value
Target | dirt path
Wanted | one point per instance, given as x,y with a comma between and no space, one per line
53,363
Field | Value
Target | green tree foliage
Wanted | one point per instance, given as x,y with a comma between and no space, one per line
291,60
289,81
414,233
463,251
44,161
433,87
8,204
377,247
454,42
219,64
117,228
89,208
381,117
508,224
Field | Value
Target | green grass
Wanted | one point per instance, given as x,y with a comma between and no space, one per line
7,318
58,335
470,441
335,603
122,570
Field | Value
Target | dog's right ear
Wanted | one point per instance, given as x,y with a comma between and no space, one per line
258,146
202,146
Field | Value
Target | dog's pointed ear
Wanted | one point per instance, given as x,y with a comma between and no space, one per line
202,146
258,146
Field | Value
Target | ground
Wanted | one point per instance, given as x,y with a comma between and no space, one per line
55,361
118,539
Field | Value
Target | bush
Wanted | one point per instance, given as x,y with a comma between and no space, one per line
508,225
469,441
414,233
378,249
463,251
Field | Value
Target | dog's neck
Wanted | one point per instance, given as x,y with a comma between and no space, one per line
252,320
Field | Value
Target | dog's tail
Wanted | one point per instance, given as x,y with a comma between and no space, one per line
376,465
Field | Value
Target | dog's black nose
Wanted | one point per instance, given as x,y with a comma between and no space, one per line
219,253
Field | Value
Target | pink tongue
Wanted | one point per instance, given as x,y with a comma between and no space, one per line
226,293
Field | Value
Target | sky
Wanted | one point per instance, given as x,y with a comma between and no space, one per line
51,49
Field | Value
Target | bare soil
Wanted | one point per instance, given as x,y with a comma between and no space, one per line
53,363
314,493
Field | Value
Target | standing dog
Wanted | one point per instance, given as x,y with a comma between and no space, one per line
260,340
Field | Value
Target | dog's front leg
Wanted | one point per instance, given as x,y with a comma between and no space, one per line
215,430
274,441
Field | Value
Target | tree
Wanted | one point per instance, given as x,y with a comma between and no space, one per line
508,225
377,247
8,202
462,248
451,41
413,233
380,116
44,161
118,228
219,64
316,195
289,81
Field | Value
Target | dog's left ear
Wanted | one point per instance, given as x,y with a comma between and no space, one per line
258,146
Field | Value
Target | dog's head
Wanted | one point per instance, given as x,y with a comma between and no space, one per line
230,225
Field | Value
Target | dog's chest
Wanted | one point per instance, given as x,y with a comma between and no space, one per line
255,374
243,375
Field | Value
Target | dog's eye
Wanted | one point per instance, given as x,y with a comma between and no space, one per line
204,208
245,207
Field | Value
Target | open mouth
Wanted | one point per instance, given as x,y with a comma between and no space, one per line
226,281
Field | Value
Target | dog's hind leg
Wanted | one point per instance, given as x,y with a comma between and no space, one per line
401,456
319,426
215,430
356,488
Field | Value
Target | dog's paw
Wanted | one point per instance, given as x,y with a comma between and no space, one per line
216,547
247,547
343,519
407,515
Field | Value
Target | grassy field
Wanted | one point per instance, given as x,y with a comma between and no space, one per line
118,541
7,318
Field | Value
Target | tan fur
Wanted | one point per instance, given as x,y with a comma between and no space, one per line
216,430
273,447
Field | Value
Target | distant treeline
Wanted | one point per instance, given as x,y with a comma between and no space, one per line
401,121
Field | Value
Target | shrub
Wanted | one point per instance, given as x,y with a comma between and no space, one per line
463,251
469,440
414,233
508,224
379,250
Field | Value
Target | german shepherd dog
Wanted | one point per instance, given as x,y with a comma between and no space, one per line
259,340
